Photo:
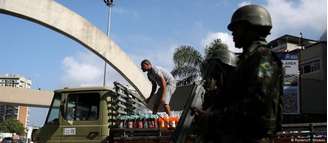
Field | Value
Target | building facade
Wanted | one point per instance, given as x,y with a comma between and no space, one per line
12,111
288,49
305,64
313,68
289,43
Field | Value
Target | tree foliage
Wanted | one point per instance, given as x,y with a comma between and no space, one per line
186,56
214,48
12,125
187,61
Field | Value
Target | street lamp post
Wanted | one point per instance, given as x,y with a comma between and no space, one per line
109,3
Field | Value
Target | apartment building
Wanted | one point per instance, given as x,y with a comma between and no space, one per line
13,111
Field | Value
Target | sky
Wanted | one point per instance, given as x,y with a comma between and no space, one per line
150,29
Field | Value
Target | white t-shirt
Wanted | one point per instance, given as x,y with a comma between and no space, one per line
155,74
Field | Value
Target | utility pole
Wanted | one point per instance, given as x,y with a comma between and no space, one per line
301,41
109,4
300,73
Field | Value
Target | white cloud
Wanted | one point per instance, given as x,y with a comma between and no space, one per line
297,16
81,70
225,37
86,69
244,3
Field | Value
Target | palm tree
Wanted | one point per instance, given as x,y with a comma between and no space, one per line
217,55
214,48
187,63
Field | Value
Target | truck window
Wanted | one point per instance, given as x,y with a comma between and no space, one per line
82,107
53,114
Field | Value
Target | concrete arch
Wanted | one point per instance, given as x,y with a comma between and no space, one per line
53,15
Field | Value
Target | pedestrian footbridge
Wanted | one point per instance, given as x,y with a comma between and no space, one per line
25,96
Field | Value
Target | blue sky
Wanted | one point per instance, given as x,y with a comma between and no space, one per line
143,29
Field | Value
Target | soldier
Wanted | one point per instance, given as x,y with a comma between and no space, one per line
253,113
215,69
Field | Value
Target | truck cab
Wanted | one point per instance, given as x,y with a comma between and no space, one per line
77,115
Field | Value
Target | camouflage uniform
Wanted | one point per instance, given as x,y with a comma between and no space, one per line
220,62
254,110
215,71
253,106
249,107
214,80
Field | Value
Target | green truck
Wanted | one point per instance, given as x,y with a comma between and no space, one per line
80,115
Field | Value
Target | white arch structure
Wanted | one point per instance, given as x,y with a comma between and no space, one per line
53,15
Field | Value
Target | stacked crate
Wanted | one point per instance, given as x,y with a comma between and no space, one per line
124,102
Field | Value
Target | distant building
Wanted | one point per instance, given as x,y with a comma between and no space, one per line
288,48
313,68
12,111
305,93
288,43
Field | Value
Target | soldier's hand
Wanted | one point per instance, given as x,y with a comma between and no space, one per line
200,121
198,112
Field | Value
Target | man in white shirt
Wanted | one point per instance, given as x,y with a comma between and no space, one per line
166,82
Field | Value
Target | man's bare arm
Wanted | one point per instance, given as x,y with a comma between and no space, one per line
163,87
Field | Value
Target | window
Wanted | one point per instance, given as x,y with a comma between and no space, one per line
307,68
82,106
53,115
310,66
315,66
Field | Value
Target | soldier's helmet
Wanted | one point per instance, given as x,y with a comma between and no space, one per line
254,15
223,55
217,60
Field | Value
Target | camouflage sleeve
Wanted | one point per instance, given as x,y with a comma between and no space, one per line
261,102
255,101
259,89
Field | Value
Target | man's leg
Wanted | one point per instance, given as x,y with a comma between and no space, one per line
166,103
